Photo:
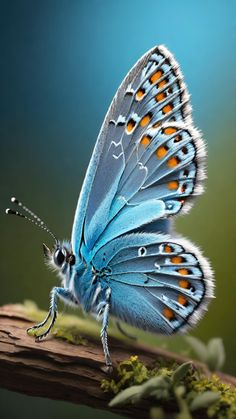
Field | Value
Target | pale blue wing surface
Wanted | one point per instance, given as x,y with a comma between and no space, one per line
168,171
152,94
158,283
147,165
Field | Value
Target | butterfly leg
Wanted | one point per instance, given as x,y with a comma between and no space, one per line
56,292
103,334
126,334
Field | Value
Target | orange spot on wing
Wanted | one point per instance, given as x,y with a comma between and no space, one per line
160,96
162,84
183,271
173,185
140,93
161,152
168,249
168,313
169,130
183,283
145,141
172,162
156,76
176,259
167,108
145,120
130,125
182,300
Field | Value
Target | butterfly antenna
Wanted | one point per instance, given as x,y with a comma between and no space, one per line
35,219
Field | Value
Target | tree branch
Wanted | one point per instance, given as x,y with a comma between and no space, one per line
59,370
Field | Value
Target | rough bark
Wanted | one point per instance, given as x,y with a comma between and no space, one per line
59,370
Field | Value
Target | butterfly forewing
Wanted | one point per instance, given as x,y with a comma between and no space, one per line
153,92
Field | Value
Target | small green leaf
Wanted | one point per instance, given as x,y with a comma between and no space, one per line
184,412
153,384
161,394
125,396
204,400
157,413
180,391
198,347
180,372
215,354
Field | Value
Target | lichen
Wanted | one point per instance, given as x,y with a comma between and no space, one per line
70,335
183,391
132,372
225,407
129,373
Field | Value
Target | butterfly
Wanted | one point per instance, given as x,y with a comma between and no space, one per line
124,258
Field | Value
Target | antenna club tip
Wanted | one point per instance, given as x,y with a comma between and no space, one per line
13,199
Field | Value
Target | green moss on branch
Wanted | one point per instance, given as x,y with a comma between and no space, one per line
170,389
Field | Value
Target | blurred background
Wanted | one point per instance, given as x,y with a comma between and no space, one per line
61,63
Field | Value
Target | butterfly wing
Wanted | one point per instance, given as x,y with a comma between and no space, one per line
152,98
158,283
147,165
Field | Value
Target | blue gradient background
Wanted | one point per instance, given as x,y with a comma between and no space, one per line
61,63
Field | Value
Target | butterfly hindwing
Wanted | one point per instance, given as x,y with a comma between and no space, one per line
158,283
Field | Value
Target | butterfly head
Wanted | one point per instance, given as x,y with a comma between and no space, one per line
60,257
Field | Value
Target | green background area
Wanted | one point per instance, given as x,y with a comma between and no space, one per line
61,63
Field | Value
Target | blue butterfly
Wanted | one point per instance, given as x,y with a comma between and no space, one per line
124,258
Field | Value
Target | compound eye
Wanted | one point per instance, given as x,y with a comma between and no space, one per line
72,260
59,257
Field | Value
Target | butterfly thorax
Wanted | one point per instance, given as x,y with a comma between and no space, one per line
89,286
